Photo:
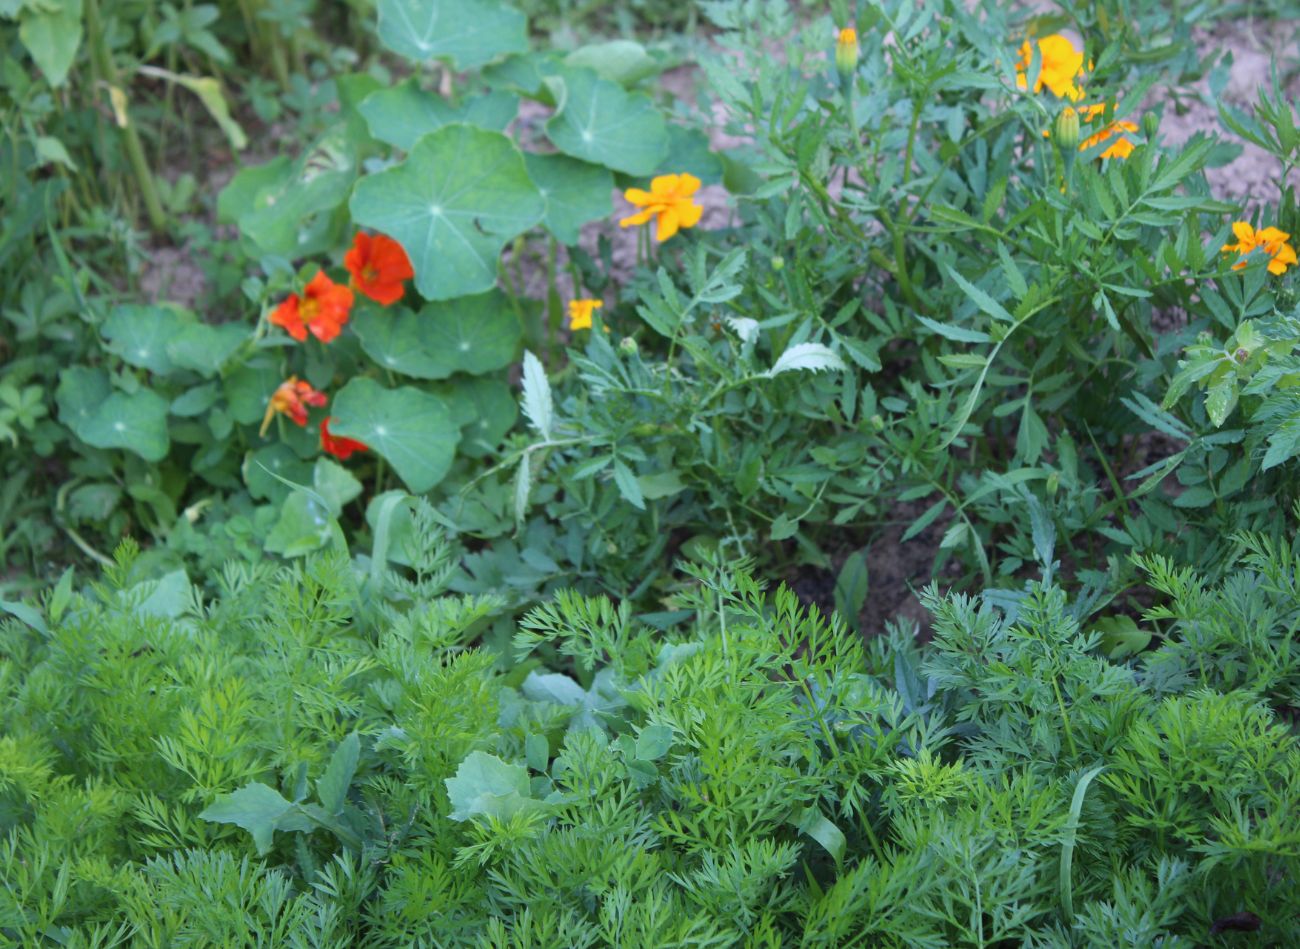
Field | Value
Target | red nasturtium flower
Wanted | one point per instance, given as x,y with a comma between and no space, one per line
378,266
341,448
322,309
291,398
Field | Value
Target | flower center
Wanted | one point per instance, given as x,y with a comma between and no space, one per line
308,309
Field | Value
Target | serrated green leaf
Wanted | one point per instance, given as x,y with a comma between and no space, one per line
485,785
332,788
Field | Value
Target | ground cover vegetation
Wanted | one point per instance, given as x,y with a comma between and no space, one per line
485,553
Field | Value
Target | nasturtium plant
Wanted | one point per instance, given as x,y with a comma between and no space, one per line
459,197
410,428
463,33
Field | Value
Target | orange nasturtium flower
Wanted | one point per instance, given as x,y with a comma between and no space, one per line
291,398
323,309
1269,239
580,312
1062,66
341,448
669,201
379,267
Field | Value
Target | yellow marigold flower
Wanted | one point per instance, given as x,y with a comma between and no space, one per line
847,51
580,312
1269,239
1062,66
668,201
1120,148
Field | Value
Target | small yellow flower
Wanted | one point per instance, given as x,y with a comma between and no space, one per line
1269,239
1062,66
580,312
669,201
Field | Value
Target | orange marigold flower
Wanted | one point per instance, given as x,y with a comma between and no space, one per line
322,309
1062,67
379,267
291,398
669,201
1269,239
580,313
341,448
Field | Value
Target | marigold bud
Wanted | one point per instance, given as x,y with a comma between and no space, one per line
627,346
847,52
1053,483
1150,126
778,262
1066,131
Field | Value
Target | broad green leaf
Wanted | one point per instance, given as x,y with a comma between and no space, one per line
288,210
851,587
689,150
486,785
812,822
335,484
140,335
104,418
601,123
484,409
466,33
168,597
628,486
27,614
52,33
254,807
404,113
1121,636
653,742
459,197
204,349
575,193
473,335
262,465
622,61
248,389
332,788
411,429
305,525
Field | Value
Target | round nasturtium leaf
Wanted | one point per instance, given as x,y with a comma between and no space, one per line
404,113
600,122
459,197
485,409
412,430
274,459
575,193
141,334
466,33
472,335
104,418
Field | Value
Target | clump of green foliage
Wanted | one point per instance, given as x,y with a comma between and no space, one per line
324,755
